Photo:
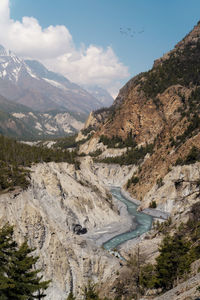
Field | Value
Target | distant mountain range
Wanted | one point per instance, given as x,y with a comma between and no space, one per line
36,102
19,121
101,94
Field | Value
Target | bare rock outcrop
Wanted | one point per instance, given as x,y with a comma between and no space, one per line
59,197
184,291
177,191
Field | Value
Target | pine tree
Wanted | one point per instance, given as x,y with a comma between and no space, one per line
18,279
173,260
7,247
90,293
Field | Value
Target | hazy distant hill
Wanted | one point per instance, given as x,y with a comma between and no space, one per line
10,106
19,121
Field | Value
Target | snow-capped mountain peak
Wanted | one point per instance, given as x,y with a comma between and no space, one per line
12,66
30,83
4,51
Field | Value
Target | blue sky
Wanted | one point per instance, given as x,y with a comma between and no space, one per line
108,41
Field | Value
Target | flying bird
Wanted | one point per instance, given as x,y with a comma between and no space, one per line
141,31
128,31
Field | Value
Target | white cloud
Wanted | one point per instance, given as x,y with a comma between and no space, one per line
54,47
4,11
92,66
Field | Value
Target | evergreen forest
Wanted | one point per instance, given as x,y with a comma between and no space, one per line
16,158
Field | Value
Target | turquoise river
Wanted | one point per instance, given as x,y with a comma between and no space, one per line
143,222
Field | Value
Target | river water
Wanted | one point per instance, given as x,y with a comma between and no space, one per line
143,222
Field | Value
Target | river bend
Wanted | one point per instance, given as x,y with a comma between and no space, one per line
143,222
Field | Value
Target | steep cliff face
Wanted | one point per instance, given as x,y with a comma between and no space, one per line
159,107
94,122
178,191
58,198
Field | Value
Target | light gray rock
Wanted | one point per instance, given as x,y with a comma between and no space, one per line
59,197
184,291
178,192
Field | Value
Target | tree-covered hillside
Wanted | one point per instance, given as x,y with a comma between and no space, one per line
16,157
182,67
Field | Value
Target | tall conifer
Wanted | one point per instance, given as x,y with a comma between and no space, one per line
18,278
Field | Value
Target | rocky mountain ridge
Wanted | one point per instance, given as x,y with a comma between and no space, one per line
160,107
191,38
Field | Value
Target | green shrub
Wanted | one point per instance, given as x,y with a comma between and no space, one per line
87,130
66,142
117,141
131,156
148,279
96,153
133,180
179,161
191,158
90,292
159,182
153,204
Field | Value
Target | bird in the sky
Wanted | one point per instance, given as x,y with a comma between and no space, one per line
128,31
141,31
